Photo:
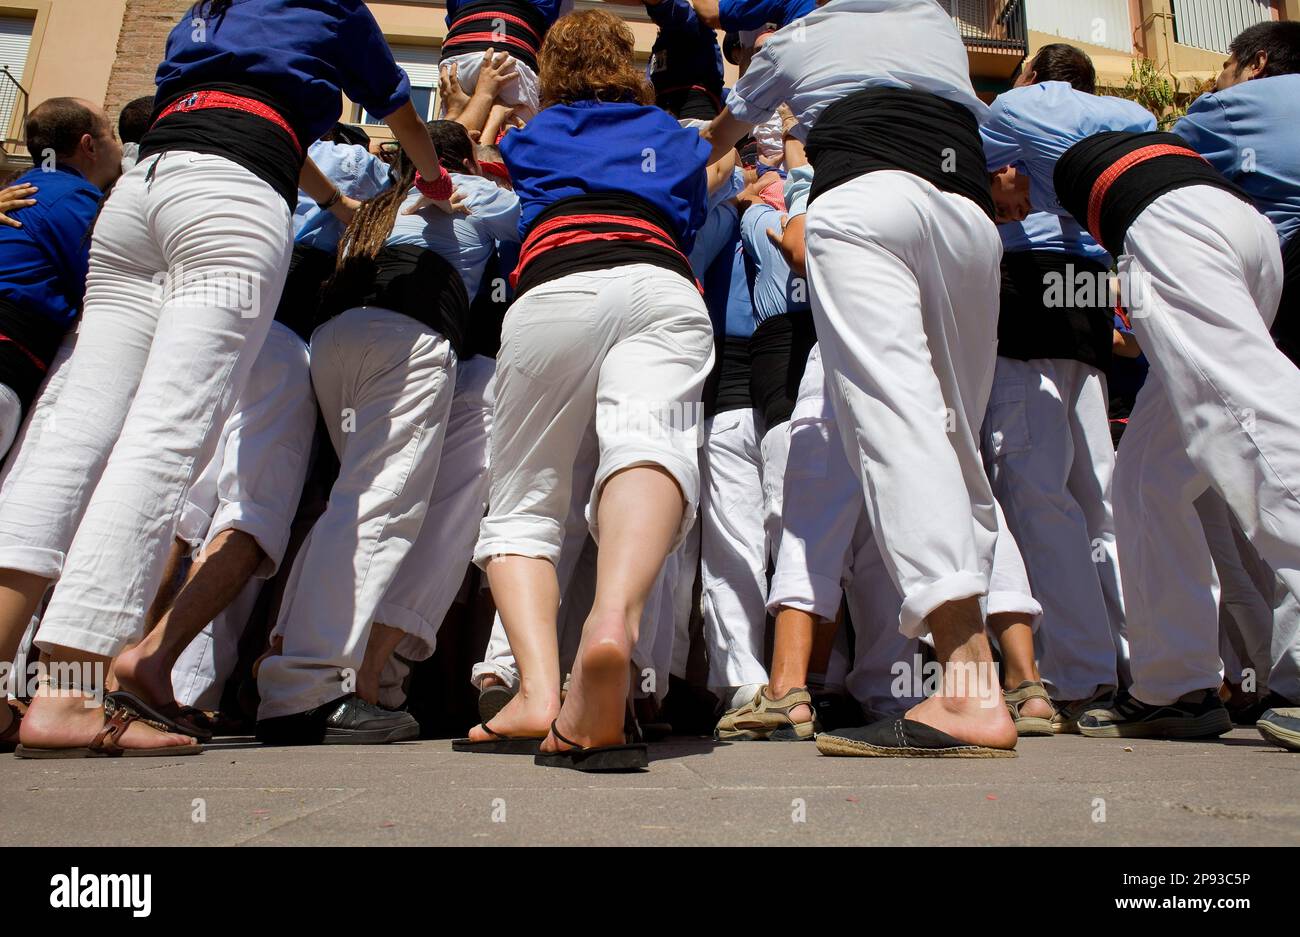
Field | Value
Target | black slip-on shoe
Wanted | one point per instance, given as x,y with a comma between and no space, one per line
1197,715
493,699
348,720
902,738
1281,727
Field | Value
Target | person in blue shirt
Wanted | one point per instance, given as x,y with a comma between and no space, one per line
1247,129
240,507
1045,436
43,278
609,340
43,274
188,259
685,62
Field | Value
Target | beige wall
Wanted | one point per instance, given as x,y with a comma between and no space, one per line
74,45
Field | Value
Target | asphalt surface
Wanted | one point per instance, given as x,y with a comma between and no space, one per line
1237,790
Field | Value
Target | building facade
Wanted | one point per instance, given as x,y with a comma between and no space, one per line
107,50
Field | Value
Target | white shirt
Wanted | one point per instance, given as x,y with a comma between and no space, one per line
848,45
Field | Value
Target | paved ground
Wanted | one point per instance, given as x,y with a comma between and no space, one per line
1237,791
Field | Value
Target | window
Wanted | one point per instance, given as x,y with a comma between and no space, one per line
1213,24
421,65
15,39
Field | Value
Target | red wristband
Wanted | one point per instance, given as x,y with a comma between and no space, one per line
439,190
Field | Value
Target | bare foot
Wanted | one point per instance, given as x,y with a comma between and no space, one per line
527,715
73,721
1035,707
596,704
801,713
979,718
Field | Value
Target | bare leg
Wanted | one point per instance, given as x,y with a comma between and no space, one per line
168,591
213,583
20,595
383,642
527,595
969,706
61,717
792,651
639,513
1015,634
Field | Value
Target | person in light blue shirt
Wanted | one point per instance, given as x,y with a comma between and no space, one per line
357,172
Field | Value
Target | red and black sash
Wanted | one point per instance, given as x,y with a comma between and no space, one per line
595,232
208,100
1107,180
513,26
28,344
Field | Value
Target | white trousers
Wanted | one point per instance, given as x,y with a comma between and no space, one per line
523,93
187,263
828,553
1220,409
625,350
253,484
905,283
11,418
733,550
254,480
385,384
430,577
1048,451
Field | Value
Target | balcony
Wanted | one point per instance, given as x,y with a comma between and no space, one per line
996,37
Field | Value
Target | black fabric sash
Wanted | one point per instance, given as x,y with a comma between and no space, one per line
411,280
1108,179
1046,311
727,386
1286,327
300,303
778,354
28,343
597,239
513,26
903,129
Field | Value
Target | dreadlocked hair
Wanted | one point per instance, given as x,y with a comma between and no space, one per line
355,270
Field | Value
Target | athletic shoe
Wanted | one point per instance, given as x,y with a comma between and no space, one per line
1197,715
1281,727
348,720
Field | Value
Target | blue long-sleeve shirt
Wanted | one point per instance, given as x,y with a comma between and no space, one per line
686,51
43,263
735,15
1251,133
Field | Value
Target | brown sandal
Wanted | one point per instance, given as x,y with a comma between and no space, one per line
105,744
1030,725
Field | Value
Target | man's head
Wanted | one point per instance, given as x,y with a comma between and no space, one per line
1262,51
133,122
77,134
1061,62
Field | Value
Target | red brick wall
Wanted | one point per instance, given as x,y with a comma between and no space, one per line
145,26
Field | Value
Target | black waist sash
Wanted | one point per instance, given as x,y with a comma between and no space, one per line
1055,306
1108,179
28,343
689,102
1286,327
413,281
903,129
596,232
778,353
727,386
300,303
513,26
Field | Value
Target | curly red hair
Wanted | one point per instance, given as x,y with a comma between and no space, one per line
590,54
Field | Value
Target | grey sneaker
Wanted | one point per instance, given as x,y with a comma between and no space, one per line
1281,727
1197,715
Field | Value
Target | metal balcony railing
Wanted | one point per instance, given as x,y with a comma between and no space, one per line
992,25
13,109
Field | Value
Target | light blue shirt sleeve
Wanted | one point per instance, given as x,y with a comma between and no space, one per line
358,174
776,291
493,208
798,185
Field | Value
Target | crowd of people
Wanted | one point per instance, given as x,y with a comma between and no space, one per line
953,421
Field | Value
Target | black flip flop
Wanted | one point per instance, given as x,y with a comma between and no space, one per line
630,757
165,718
498,745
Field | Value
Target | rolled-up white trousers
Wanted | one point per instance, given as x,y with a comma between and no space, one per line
905,282
187,262
385,384
1220,409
